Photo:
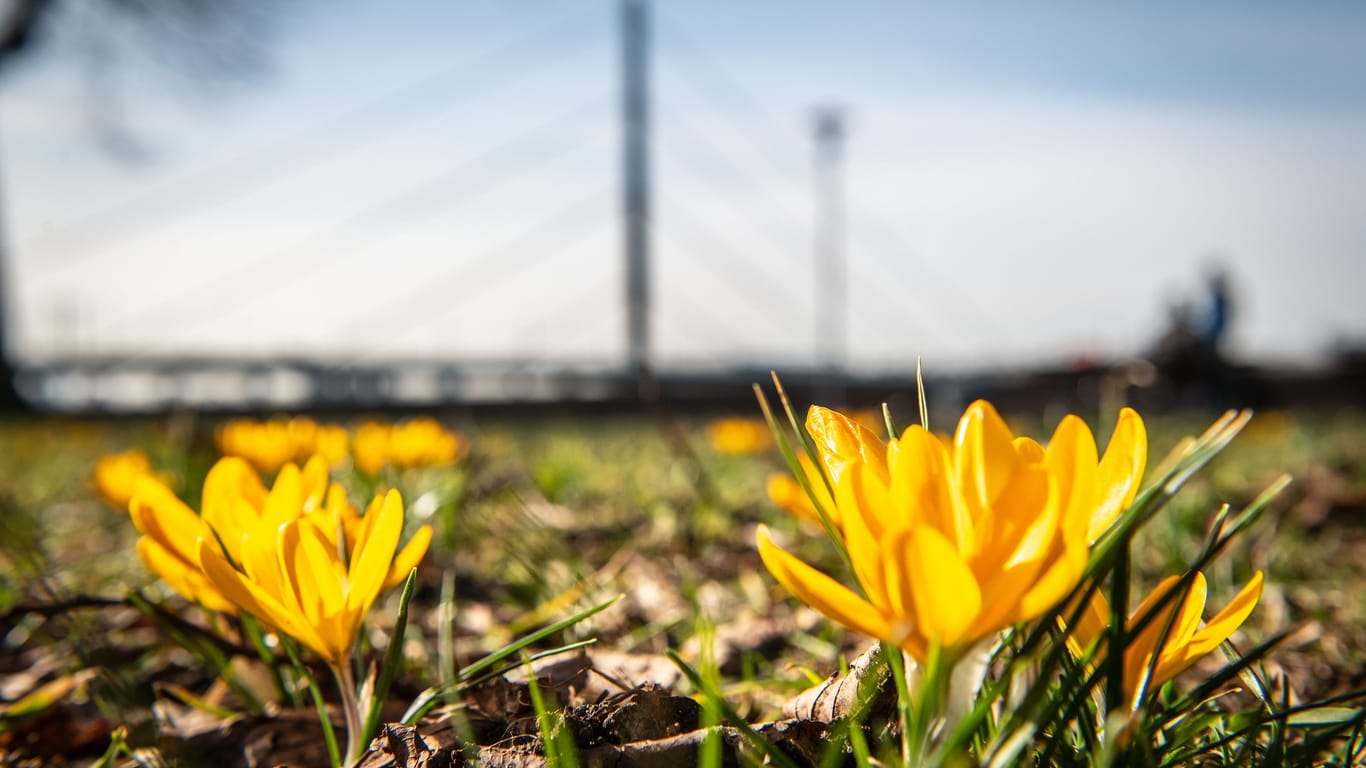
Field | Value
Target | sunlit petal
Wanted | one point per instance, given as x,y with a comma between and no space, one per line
408,557
373,556
256,601
1121,471
821,592
185,578
1072,460
944,591
157,512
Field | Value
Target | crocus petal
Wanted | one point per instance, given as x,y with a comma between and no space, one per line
1054,582
408,557
286,498
1227,620
156,512
917,466
1029,450
945,594
1143,643
251,598
230,481
257,556
1090,625
861,541
185,578
1072,460
313,480
1212,634
321,583
374,554
1021,526
1001,596
837,435
1121,471
821,592
984,457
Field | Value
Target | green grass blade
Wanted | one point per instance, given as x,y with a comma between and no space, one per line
516,646
775,756
393,659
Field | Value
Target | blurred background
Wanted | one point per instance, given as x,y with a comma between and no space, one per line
252,204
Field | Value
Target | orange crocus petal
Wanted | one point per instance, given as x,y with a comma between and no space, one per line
1120,472
945,595
821,592
408,557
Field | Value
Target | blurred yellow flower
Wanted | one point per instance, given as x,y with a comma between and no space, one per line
787,493
1187,641
950,540
421,442
294,579
116,475
269,445
739,436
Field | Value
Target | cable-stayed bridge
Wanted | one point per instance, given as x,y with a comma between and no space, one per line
626,232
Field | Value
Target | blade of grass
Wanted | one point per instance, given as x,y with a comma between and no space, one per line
330,736
516,646
393,659
776,756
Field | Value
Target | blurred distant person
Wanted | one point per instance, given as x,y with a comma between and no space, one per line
1219,311
1190,354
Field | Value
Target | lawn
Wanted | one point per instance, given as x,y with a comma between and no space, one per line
550,516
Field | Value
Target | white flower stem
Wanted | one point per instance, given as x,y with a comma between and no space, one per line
346,682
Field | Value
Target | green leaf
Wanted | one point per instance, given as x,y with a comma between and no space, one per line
393,659
1325,716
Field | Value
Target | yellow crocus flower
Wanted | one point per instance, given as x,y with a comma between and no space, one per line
950,541
789,494
421,442
269,445
116,475
737,436
1186,643
236,506
424,442
293,580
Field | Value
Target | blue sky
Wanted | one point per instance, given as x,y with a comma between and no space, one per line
1023,183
